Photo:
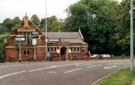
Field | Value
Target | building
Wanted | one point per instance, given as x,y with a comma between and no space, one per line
27,43
67,45
19,46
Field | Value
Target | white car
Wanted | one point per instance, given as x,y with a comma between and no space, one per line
105,56
95,56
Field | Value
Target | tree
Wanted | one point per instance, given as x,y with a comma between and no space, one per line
16,21
2,37
96,18
35,20
8,24
53,24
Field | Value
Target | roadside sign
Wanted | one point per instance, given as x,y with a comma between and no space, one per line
19,39
19,36
69,50
58,50
34,36
35,33
48,54
34,41
20,42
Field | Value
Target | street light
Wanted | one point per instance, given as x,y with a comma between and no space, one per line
131,39
18,40
46,31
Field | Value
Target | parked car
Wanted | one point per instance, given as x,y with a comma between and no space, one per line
105,56
95,56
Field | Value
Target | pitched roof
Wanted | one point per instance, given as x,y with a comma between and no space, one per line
63,35
72,37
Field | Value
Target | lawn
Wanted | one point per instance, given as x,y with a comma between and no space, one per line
122,77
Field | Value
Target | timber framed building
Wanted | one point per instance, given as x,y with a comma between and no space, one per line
60,45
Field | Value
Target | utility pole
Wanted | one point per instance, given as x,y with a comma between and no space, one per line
20,55
131,39
35,58
46,31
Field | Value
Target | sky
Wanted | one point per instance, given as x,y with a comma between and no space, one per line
13,8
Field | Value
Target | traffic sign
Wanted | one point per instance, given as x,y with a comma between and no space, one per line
19,39
34,36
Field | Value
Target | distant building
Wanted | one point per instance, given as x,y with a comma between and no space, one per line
67,45
27,43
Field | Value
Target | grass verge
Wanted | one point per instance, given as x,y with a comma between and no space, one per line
122,77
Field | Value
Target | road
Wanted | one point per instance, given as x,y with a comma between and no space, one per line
59,73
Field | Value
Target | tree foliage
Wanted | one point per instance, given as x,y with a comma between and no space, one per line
8,24
53,24
35,20
96,18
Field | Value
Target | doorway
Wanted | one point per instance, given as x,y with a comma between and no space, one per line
63,53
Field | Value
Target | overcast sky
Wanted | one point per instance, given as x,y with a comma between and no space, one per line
12,8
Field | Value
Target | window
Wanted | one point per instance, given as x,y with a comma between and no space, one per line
78,49
71,49
74,49
55,49
51,49
82,50
26,53
48,49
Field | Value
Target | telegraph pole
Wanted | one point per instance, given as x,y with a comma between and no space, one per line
46,30
20,55
131,39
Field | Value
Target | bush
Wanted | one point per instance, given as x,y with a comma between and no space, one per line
2,59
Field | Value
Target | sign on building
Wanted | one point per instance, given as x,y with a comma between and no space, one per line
69,50
58,50
34,41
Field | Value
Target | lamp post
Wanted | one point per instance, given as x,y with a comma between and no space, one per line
20,56
46,31
131,39
34,43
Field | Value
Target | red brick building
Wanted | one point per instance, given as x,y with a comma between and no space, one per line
26,49
60,45
67,45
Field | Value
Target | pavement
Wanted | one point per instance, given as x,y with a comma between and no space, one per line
58,73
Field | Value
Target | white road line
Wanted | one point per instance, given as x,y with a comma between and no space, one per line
49,67
9,66
93,66
115,63
73,70
110,67
82,64
12,74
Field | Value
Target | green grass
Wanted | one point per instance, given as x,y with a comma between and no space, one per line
122,77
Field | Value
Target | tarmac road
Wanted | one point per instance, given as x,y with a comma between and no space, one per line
59,73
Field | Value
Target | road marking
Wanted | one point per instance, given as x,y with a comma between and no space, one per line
93,66
9,66
73,70
12,74
82,64
52,72
110,67
115,63
49,67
